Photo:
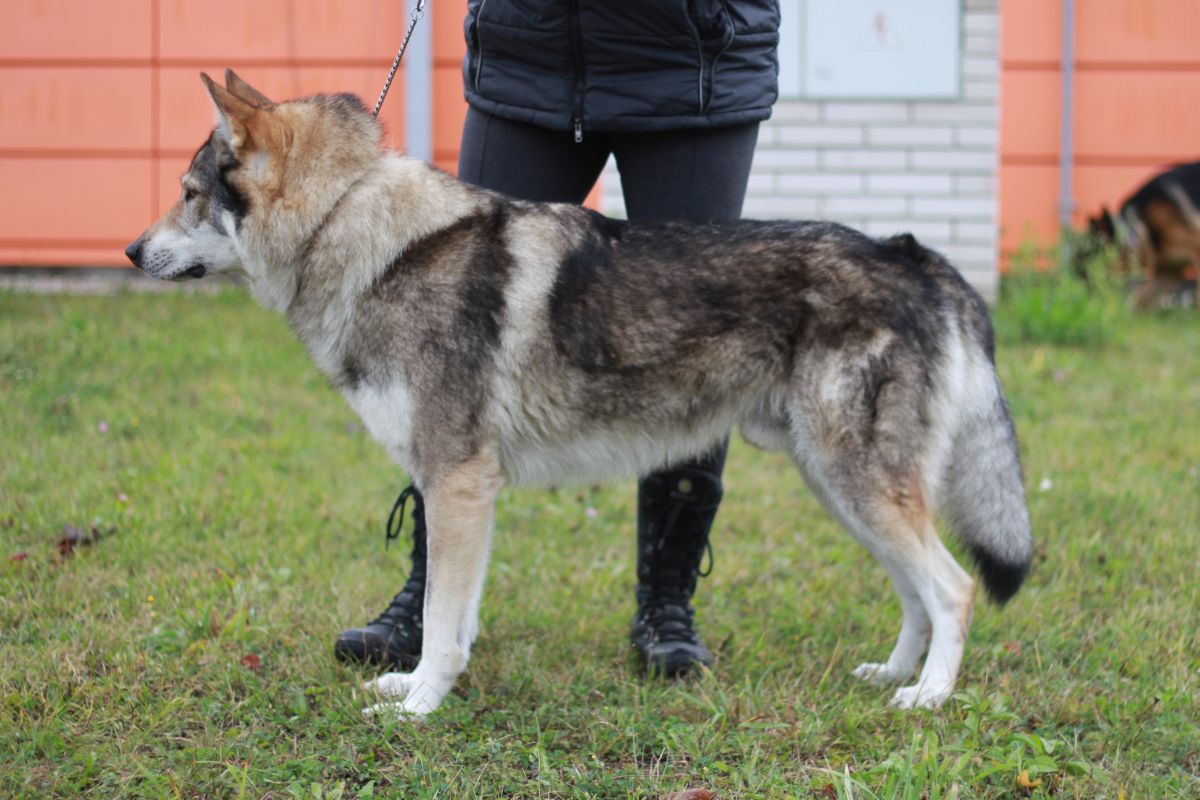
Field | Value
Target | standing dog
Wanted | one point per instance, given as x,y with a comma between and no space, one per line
484,339
1158,229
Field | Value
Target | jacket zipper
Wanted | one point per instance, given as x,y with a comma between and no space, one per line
699,58
478,45
712,69
577,102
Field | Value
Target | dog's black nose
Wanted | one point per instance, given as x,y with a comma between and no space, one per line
134,252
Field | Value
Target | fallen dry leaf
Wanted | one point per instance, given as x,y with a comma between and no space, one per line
18,556
1024,782
252,662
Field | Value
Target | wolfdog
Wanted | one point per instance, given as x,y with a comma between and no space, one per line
484,339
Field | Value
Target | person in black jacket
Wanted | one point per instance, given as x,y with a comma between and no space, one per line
675,90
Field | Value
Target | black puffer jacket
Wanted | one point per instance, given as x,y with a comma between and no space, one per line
623,65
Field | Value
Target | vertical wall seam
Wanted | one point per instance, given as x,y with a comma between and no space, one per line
155,141
1066,206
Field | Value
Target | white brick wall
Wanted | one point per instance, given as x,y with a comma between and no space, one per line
925,167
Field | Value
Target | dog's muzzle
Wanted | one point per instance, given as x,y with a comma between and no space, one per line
134,254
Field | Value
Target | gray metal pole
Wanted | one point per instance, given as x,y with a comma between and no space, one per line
1066,205
418,87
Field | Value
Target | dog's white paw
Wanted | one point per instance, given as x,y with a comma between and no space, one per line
878,674
391,684
417,697
921,696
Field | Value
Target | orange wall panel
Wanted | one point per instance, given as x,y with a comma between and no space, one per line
449,43
1146,31
74,200
282,30
1030,30
1028,206
1144,114
59,108
76,29
1029,116
449,111
449,107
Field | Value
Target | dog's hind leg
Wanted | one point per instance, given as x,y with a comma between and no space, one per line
860,441
771,433
460,506
892,521
947,592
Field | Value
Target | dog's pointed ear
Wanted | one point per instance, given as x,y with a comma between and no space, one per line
235,116
245,91
1108,223
1102,225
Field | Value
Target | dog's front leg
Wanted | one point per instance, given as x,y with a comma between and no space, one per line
460,506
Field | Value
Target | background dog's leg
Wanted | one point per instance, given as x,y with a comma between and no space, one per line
460,507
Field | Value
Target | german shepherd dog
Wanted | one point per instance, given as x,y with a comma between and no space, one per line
1158,230
484,339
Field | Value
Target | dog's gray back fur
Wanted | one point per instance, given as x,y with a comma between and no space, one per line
566,337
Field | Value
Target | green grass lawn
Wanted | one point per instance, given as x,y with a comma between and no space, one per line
247,508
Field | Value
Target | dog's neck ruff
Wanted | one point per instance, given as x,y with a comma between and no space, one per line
365,231
306,248
277,278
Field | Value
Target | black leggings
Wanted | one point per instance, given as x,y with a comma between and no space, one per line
696,175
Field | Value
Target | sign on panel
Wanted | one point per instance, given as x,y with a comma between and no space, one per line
861,49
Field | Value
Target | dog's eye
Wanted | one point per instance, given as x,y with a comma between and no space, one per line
189,195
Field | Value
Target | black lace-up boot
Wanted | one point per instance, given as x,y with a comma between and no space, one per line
675,514
394,637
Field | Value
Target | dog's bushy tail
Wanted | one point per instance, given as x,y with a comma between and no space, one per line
984,496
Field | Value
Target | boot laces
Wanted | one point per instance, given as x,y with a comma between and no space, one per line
701,505
406,607
395,521
667,608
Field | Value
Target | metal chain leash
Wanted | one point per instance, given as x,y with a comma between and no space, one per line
417,14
